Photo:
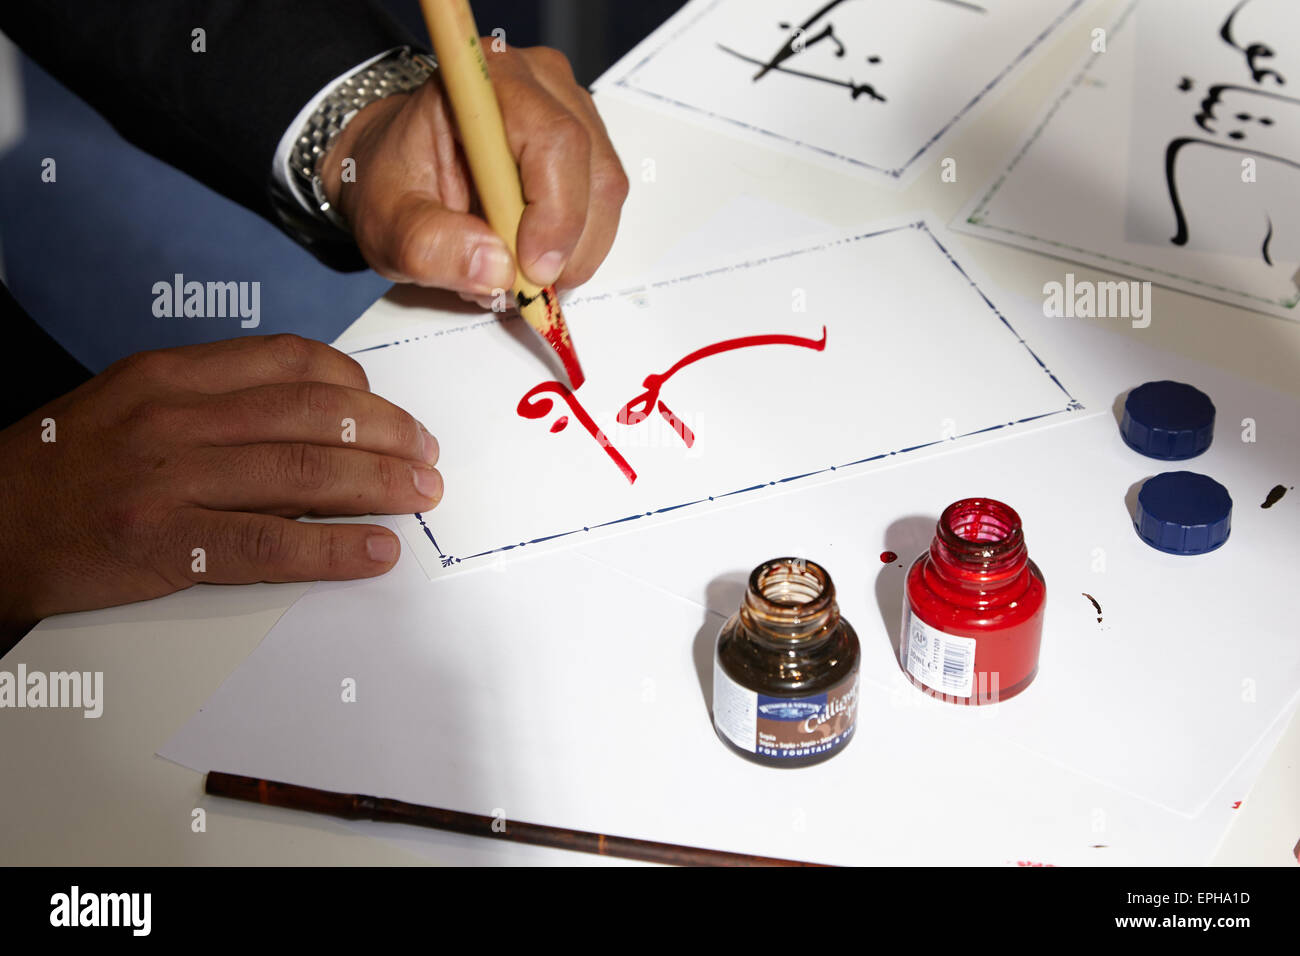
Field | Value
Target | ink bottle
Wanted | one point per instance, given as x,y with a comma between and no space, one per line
973,614
785,669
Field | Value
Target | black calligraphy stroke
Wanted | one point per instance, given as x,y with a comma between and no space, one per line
796,43
1171,180
1252,52
856,89
1214,96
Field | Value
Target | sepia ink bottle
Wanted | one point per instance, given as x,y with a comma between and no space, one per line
785,669
973,614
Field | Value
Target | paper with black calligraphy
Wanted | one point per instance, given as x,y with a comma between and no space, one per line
810,363
868,85
1174,156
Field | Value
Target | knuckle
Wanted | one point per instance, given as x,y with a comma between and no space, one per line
413,243
267,543
150,365
355,372
388,475
409,258
308,467
314,402
130,521
569,132
406,435
151,416
553,61
612,186
291,352
335,553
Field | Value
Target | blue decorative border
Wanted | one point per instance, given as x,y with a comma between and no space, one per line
1072,404
623,83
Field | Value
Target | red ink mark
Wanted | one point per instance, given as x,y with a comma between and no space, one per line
679,426
639,408
556,333
1094,604
888,557
1236,804
531,407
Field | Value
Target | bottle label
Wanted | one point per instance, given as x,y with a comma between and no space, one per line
784,727
942,662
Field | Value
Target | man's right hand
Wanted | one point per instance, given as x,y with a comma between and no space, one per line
209,446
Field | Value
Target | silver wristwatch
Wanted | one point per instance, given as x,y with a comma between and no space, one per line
398,72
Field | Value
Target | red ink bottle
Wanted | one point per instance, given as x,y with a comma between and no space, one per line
785,669
973,615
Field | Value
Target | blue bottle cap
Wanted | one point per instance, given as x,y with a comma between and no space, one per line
1168,420
1181,512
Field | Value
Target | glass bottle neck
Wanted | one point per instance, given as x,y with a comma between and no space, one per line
979,546
790,604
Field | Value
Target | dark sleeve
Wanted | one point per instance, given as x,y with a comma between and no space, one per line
42,370
217,115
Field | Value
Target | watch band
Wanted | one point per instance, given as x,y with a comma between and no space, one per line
399,72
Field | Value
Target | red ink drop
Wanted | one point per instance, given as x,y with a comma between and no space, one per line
888,557
560,425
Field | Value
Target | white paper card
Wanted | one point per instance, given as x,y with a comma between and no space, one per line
878,345
1174,156
869,84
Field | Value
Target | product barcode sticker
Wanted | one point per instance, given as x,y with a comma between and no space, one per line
942,662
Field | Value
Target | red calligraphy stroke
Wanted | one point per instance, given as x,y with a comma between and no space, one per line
531,406
679,426
639,408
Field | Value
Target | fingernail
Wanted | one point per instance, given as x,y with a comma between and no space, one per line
490,267
382,548
547,268
428,482
429,446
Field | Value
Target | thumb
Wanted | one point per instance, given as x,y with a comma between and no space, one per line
426,243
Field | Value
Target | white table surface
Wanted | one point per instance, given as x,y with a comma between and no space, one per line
80,791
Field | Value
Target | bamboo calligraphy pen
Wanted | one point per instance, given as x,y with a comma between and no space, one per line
463,70
354,806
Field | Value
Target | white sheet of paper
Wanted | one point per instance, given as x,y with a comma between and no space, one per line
1169,121
893,380
870,85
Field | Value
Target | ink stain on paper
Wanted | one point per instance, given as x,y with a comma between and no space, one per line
1274,496
1094,604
